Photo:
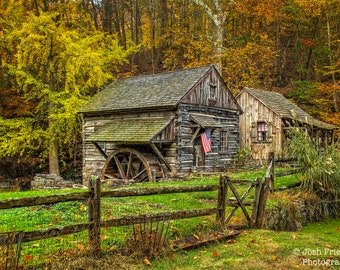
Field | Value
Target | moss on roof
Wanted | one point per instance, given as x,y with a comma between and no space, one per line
129,131
151,91
287,109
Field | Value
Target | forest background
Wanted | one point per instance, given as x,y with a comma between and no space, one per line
56,54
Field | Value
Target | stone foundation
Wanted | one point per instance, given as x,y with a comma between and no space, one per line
50,182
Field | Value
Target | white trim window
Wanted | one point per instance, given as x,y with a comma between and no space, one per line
262,131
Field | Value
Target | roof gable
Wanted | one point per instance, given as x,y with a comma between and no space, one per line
285,108
151,91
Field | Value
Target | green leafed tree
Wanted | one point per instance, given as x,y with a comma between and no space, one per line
59,63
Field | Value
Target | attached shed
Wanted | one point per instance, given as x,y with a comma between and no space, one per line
268,116
149,127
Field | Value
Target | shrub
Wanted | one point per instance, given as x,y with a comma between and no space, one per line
320,168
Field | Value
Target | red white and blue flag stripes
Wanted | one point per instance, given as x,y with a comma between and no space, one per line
206,141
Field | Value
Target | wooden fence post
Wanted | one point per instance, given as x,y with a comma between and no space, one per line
94,215
272,171
257,195
221,200
261,201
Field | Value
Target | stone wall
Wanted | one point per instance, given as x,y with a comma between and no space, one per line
292,215
245,164
50,182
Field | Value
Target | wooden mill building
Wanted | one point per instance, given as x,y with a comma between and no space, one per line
149,127
267,118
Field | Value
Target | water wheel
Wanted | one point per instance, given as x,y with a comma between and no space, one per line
130,165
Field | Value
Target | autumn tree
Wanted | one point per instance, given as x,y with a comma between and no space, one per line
59,62
218,13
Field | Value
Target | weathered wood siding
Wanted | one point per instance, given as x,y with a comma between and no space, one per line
210,97
93,160
215,160
254,111
200,94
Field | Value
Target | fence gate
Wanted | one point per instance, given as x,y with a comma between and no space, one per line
261,193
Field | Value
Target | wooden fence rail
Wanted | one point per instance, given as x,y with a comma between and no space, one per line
93,197
82,196
94,194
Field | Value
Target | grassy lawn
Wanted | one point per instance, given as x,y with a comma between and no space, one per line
311,248
316,246
211,257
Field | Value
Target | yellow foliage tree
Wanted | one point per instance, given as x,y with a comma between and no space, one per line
58,64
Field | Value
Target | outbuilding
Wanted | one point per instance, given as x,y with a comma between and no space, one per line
268,116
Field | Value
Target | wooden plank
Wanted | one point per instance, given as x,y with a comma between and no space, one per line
128,172
258,189
221,201
193,242
261,204
244,182
50,232
130,220
195,134
240,204
119,166
101,151
94,215
160,156
157,190
41,200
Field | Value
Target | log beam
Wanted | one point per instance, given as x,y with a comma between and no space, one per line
160,156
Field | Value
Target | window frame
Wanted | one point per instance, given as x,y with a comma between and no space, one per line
262,131
212,91
255,137
223,142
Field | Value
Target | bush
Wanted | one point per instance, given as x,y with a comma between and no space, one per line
320,168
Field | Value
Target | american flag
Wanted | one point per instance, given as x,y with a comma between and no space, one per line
206,141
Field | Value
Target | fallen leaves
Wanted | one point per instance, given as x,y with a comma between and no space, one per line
28,257
215,253
147,262
171,256
231,241
250,243
80,247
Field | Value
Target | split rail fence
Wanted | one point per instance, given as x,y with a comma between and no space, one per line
94,194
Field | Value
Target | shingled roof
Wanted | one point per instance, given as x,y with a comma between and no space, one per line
286,109
163,90
130,131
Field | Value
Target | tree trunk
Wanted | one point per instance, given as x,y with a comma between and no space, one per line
53,160
53,145
53,150
331,63
218,16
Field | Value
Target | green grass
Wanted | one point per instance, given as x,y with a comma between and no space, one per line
68,213
261,249
251,250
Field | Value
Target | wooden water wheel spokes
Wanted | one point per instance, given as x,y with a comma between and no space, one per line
128,164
